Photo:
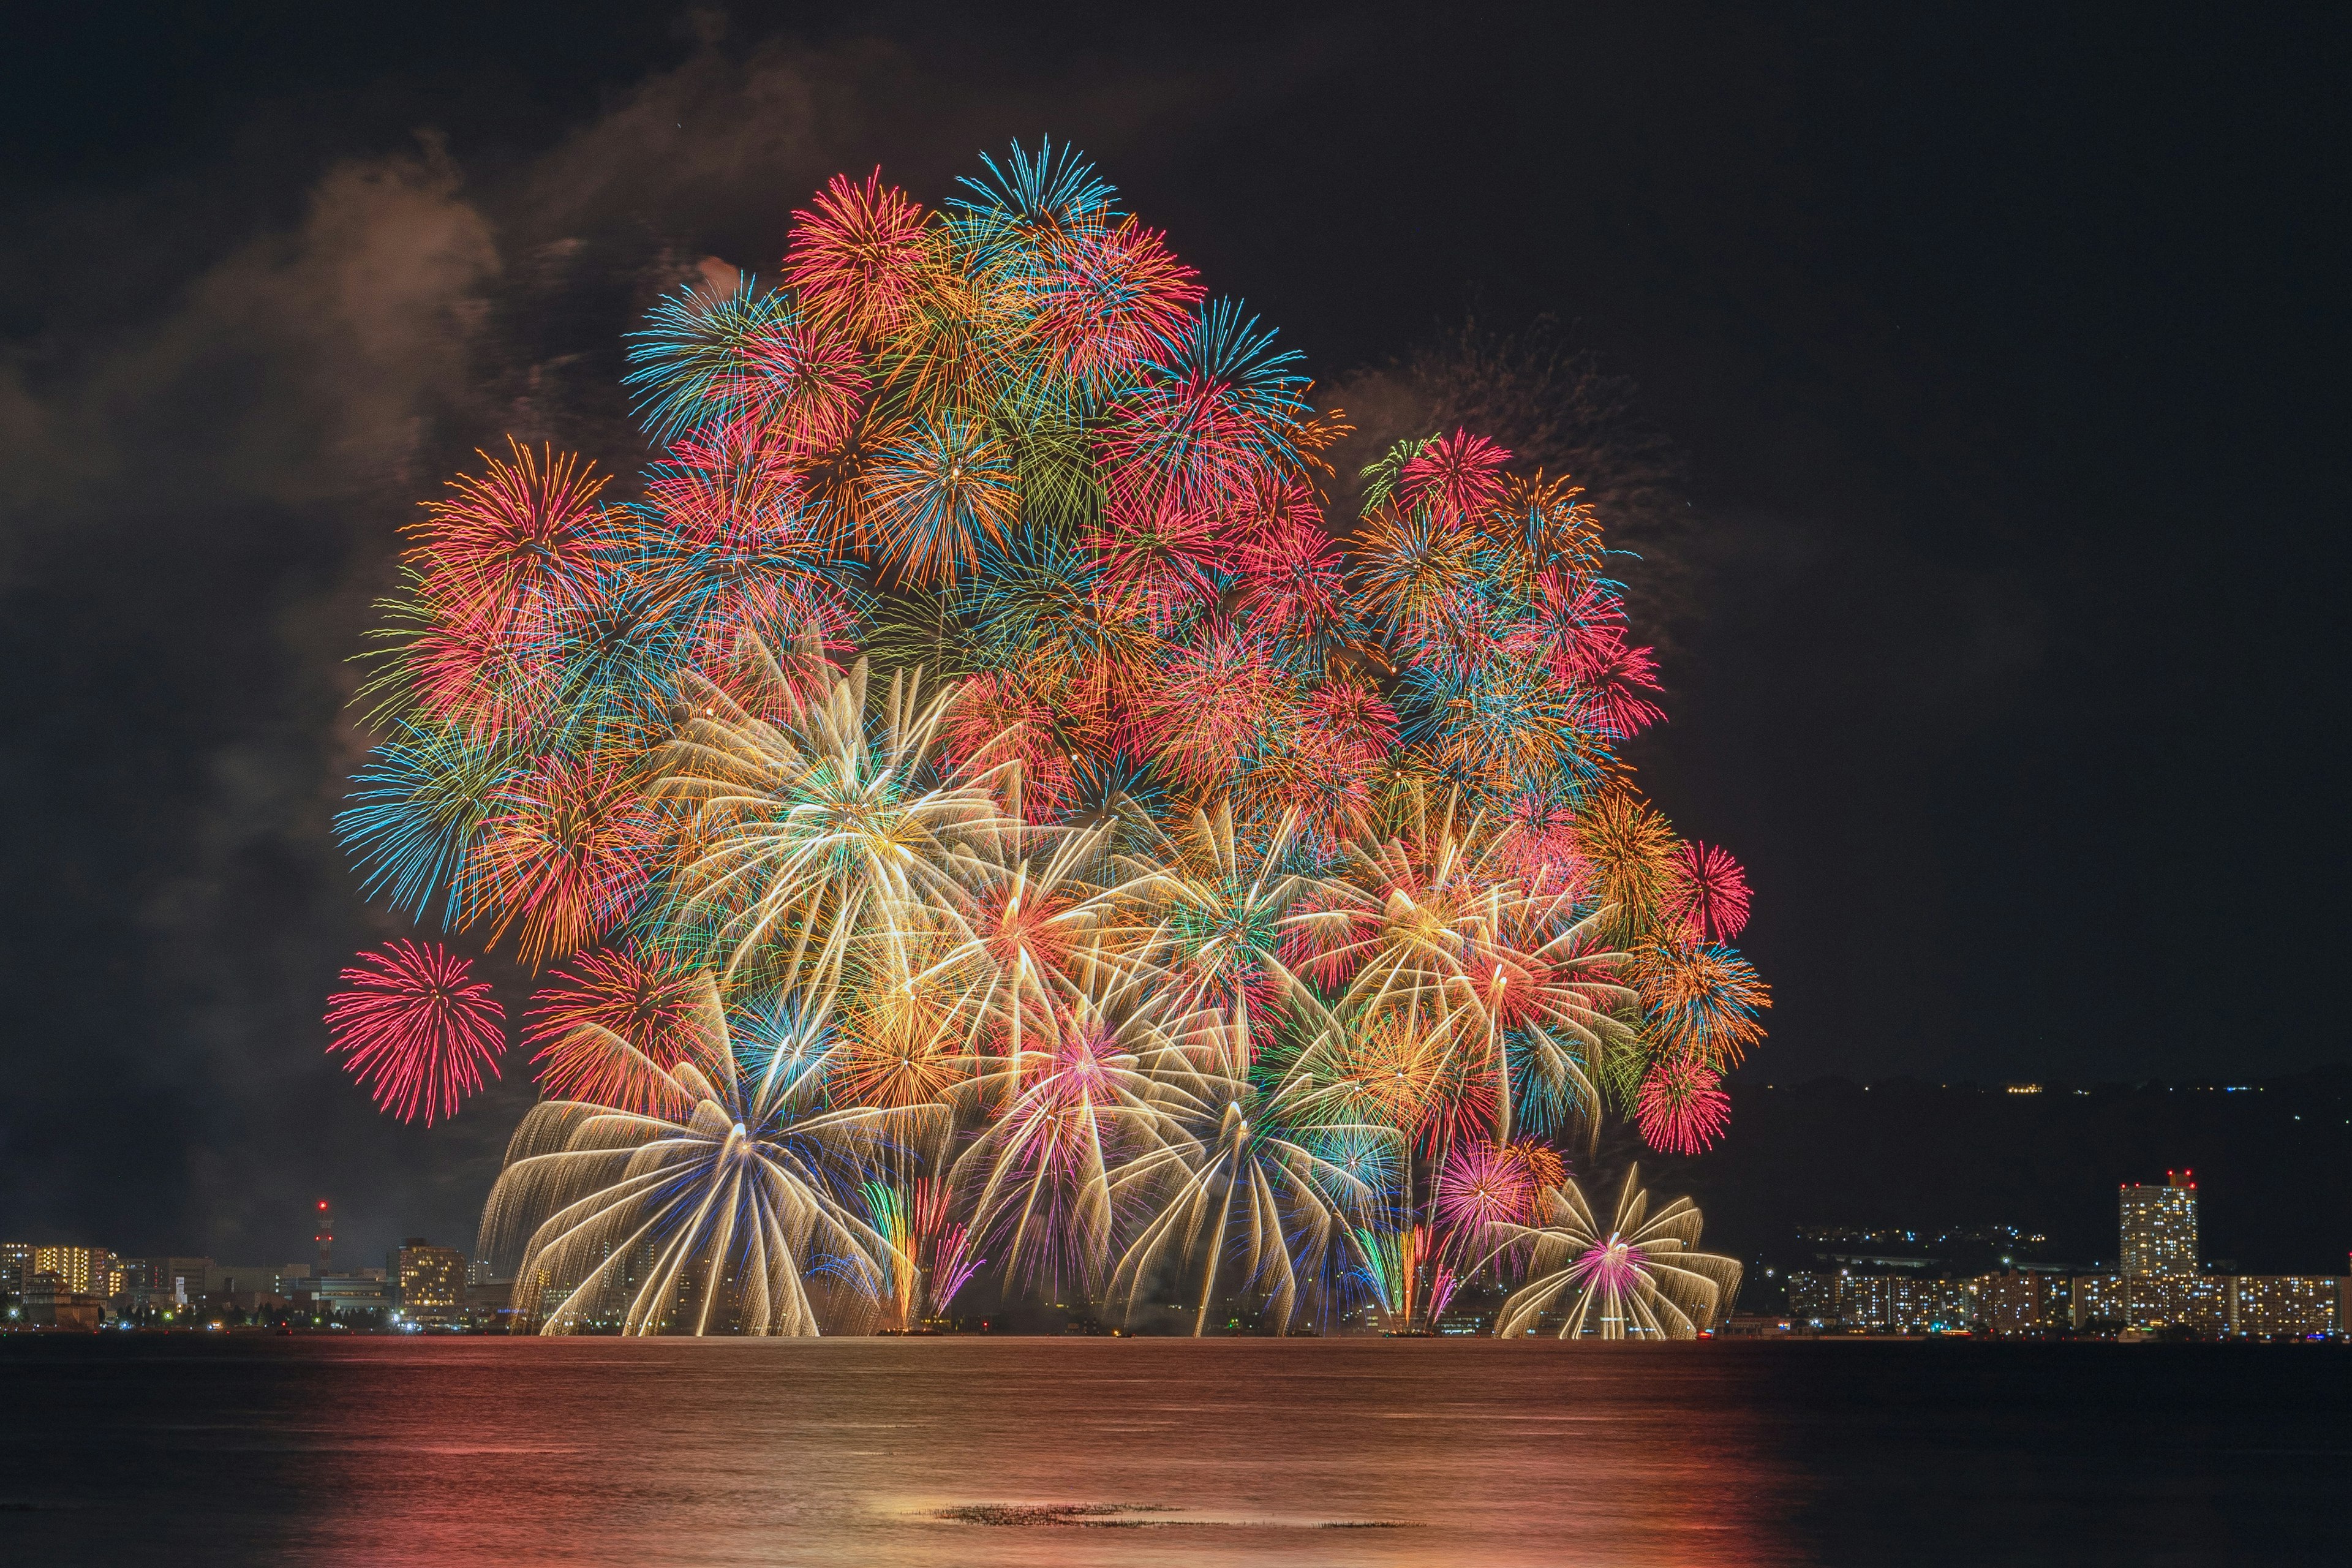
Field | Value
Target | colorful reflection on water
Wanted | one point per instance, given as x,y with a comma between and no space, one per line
1147,1452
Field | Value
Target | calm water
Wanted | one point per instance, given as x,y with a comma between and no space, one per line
1152,1452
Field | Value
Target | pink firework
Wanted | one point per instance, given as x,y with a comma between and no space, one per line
567,854
1113,294
1612,1269
1157,551
517,543
1710,899
1290,577
1001,727
859,258
1480,1186
1211,704
1679,1109
1457,477
416,1028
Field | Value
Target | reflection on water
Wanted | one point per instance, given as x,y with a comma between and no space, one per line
1154,1452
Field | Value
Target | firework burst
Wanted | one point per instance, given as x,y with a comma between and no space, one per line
416,1027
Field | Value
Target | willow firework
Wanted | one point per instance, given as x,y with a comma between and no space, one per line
978,811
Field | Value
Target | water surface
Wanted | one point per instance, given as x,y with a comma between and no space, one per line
1137,1454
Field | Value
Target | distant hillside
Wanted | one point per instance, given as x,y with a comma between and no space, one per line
2272,1161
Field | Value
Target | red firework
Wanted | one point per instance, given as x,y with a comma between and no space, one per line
858,257
1158,552
516,544
646,999
1291,581
999,719
416,1028
1710,901
1679,1109
806,383
491,679
1113,296
566,857
1210,706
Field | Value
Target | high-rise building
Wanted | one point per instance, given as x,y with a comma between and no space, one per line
326,1239
432,1280
84,1270
2158,1225
16,1267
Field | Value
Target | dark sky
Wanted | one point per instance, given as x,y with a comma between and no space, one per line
2001,346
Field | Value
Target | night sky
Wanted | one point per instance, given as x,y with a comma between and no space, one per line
1997,571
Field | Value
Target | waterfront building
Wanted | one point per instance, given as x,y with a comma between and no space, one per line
1929,1305
1904,1303
431,1280
224,1281
84,1270
174,1281
2199,1303
2013,1303
366,1291
2158,1226
2098,1298
2286,1305
1814,1299
51,1304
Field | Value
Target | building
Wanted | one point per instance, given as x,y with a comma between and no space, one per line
179,1281
431,1280
50,1303
224,1282
2022,1302
1902,1303
2012,1304
2286,1305
84,1270
16,1267
490,1300
1817,1300
1929,1305
2158,1226
2195,1303
2198,1304
365,1291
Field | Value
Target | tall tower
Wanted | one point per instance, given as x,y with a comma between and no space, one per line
326,1239
2158,1225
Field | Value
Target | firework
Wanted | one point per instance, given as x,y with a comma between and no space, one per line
1711,900
1640,1278
979,806
417,1029
704,1208
1480,1186
1083,1110
1679,1109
